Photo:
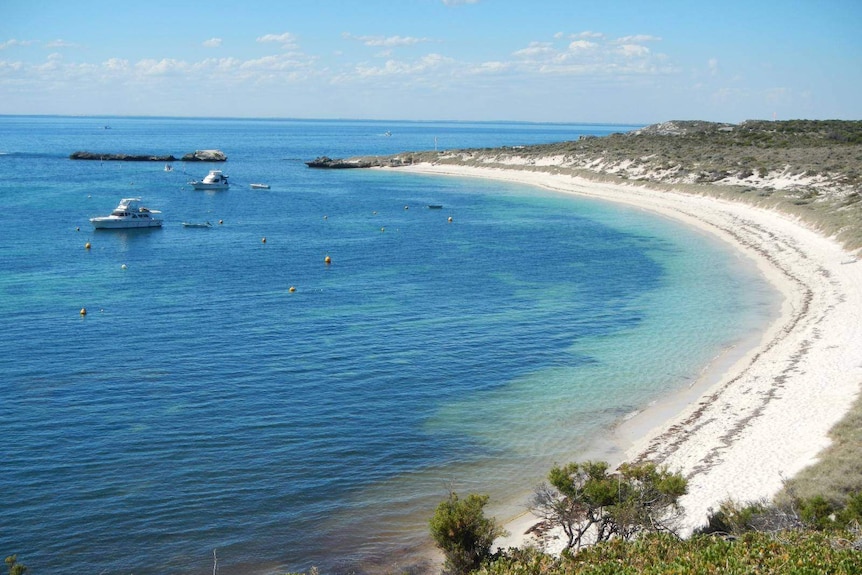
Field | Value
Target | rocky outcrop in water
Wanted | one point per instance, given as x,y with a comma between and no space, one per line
120,157
205,156
196,156
335,164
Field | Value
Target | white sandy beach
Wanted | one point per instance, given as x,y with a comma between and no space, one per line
768,415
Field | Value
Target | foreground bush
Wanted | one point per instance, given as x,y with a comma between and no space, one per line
463,533
786,553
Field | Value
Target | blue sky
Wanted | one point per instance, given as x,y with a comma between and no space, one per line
616,61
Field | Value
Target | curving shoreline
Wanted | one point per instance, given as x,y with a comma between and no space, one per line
744,428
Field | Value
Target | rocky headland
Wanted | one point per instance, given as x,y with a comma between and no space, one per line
811,169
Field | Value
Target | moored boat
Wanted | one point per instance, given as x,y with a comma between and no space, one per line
259,186
197,225
215,180
128,214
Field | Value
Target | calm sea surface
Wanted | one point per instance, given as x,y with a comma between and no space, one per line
200,405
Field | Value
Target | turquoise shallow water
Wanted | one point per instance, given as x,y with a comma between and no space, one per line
200,405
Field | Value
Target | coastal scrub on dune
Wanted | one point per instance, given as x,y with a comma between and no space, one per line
785,194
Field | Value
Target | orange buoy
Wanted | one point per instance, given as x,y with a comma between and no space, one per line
327,260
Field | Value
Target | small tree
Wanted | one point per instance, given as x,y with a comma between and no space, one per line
461,530
648,500
575,499
15,568
584,498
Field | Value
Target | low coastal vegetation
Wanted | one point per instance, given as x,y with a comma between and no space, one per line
628,518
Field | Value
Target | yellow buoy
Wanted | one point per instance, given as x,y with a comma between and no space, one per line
87,246
292,289
327,260
83,311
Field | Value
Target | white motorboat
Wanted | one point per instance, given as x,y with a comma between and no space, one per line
215,180
128,214
259,186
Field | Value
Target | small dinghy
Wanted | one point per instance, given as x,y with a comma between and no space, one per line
197,225
259,186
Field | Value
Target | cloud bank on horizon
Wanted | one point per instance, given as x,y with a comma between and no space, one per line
626,61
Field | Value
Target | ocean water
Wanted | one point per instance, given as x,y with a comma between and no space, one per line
201,405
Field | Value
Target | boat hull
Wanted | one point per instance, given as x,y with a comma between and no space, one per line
203,186
117,224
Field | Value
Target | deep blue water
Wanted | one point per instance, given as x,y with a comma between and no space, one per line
201,405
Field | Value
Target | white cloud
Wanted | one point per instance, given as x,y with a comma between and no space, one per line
402,68
116,65
212,43
54,63
165,66
638,38
581,45
13,43
13,66
491,67
59,43
713,66
591,54
633,50
385,41
277,63
535,49
287,40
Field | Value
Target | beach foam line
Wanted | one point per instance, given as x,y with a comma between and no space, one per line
767,415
